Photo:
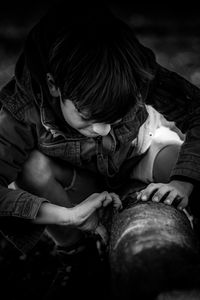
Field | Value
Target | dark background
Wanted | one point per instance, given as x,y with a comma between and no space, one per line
171,29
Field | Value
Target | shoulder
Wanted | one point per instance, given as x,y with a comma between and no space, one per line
14,100
17,95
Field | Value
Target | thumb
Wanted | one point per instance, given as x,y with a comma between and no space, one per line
102,232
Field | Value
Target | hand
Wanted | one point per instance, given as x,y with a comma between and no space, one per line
174,190
85,215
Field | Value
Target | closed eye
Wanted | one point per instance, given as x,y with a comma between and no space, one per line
84,118
116,122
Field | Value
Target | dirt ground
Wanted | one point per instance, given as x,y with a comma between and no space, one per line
176,43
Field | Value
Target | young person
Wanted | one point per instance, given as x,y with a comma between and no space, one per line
80,117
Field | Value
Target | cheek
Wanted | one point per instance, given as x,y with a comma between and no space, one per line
70,118
82,125
74,121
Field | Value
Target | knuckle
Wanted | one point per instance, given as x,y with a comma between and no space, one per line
158,195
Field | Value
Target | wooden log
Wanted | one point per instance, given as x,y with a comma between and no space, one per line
153,252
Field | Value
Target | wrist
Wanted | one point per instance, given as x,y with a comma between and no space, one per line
179,181
188,186
184,179
54,215
65,216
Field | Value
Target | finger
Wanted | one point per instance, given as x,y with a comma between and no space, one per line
160,193
95,201
183,203
107,201
171,197
117,203
146,193
102,232
139,194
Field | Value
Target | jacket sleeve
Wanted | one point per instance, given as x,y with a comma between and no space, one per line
16,206
179,101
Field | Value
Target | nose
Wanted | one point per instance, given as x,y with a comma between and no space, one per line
101,129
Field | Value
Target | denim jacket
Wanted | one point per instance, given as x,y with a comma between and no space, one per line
31,119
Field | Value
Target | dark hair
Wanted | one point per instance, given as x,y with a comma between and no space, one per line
100,66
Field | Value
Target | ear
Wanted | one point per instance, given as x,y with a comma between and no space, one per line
53,89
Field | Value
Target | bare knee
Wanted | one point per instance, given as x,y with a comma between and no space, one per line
165,162
36,171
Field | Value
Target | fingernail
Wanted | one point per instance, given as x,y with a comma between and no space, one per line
144,198
167,201
155,199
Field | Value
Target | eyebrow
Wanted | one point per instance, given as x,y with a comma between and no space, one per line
95,121
88,118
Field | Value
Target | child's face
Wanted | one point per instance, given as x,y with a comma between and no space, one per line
80,122
77,120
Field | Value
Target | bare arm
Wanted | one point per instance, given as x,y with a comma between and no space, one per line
52,214
78,216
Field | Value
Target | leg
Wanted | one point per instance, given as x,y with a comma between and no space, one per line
166,146
164,162
58,182
160,158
